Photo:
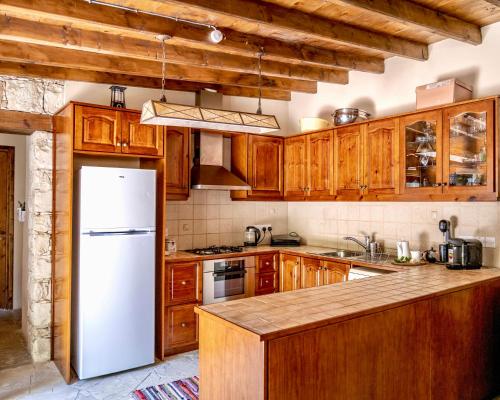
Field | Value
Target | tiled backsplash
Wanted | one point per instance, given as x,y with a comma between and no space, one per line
209,217
326,223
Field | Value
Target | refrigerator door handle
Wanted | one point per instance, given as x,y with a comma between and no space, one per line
122,233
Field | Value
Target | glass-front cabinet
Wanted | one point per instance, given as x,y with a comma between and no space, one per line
468,152
449,151
421,153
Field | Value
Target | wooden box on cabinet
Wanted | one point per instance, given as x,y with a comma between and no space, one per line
109,130
178,165
258,160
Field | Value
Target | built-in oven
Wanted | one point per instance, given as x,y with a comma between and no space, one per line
228,279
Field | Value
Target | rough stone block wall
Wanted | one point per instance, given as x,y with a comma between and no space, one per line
43,97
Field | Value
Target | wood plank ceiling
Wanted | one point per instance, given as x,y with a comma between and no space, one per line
304,41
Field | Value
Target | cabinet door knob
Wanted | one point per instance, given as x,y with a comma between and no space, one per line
183,283
266,281
445,183
183,324
267,262
118,144
125,144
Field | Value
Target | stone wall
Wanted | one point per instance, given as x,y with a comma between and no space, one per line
43,97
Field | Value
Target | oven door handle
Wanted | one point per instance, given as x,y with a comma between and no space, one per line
215,274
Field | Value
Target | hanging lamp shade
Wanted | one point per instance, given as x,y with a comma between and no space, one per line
162,113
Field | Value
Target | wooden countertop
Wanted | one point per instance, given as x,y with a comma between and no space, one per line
281,314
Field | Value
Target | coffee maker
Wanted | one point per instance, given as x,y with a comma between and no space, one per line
459,253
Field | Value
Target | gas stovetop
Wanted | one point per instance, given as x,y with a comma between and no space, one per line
216,250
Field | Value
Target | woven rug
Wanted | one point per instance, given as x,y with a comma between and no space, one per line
183,389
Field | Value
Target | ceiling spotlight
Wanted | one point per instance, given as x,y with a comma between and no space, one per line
215,35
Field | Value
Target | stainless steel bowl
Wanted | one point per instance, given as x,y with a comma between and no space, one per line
344,116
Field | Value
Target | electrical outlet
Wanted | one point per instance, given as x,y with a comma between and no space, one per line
434,215
261,227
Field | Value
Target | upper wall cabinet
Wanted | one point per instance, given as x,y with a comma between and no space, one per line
449,154
468,149
178,164
309,166
106,130
348,161
258,160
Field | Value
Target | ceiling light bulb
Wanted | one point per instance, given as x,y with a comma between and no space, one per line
215,36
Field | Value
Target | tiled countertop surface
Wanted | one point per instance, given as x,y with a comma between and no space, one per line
281,314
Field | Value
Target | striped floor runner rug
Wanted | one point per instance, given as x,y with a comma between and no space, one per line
183,389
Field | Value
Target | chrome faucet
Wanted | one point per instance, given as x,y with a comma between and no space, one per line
365,245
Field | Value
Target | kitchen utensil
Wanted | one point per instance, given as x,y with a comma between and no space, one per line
344,116
416,256
443,252
374,248
403,247
252,236
430,255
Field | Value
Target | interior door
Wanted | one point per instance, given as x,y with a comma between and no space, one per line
138,138
381,156
97,129
6,226
295,167
177,171
348,161
468,148
320,165
265,166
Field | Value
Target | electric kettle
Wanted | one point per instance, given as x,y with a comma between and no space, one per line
252,236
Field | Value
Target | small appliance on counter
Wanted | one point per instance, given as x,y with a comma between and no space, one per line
459,253
252,236
290,240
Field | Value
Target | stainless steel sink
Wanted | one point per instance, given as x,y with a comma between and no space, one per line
342,254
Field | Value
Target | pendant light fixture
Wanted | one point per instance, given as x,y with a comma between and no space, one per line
163,113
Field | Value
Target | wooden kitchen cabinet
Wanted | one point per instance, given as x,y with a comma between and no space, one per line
97,129
309,166
181,333
311,272
334,272
178,164
289,273
266,273
183,283
182,291
380,157
258,160
348,161
295,167
108,130
140,139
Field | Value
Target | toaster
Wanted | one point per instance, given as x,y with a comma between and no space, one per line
465,254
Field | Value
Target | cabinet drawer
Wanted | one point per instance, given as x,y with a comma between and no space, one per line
265,283
183,283
267,263
182,326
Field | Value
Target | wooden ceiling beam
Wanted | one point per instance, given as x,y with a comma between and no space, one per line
58,57
26,31
114,20
68,74
290,20
416,14
24,123
493,2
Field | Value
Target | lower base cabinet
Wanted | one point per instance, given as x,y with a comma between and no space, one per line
266,283
182,328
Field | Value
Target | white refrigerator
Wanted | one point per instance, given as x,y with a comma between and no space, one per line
113,300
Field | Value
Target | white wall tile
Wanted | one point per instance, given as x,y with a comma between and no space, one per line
212,226
199,241
185,211
199,226
185,227
212,211
200,211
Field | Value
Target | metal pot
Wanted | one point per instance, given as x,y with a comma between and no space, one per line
344,116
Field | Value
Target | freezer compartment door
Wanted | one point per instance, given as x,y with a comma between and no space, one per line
116,198
115,303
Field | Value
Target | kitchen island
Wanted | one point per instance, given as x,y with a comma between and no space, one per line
423,333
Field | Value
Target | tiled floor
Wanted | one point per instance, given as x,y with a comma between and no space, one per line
43,381
12,346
